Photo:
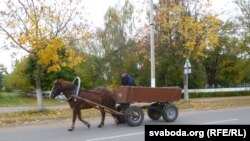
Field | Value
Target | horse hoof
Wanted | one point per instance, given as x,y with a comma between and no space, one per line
88,125
70,129
100,126
117,122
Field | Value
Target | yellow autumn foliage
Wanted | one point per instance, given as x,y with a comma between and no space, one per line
196,35
49,54
52,57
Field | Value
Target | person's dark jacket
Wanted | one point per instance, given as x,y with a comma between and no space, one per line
127,80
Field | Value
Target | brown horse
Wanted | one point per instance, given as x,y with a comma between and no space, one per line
101,96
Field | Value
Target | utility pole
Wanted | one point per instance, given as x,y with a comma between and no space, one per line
152,46
187,70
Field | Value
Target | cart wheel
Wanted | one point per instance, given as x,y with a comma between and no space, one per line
134,116
155,111
170,113
121,108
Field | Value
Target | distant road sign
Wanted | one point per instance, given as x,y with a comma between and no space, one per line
187,67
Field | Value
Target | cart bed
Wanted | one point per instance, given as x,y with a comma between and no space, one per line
130,94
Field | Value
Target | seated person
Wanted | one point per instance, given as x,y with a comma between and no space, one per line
127,79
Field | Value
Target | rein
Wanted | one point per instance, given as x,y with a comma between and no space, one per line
98,106
78,86
74,95
70,97
91,91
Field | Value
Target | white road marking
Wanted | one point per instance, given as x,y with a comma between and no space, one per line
220,121
118,136
125,135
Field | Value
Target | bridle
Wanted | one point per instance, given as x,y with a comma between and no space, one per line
70,96
59,88
73,94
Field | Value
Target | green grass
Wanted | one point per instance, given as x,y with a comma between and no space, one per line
15,99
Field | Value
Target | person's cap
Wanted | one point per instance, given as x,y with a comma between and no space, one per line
123,71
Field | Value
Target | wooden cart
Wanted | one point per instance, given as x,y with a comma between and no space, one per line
161,100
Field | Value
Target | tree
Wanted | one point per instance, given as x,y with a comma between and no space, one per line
220,63
18,79
243,44
138,63
182,33
244,23
3,72
179,29
47,79
91,72
45,31
114,42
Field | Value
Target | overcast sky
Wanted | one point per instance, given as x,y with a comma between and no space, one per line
96,10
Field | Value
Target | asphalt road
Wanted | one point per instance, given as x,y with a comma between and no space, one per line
112,132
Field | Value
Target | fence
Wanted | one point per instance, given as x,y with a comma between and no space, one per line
209,90
212,90
45,94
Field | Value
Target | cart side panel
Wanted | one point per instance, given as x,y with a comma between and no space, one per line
122,94
147,94
164,94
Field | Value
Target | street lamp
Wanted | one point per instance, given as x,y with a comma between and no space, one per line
187,70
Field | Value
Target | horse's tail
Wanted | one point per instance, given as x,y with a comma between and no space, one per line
113,107
108,98
112,101
114,94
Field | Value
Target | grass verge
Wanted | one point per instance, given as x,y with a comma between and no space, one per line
34,117
14,99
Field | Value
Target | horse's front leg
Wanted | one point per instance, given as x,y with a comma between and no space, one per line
80,118
75,113
103,118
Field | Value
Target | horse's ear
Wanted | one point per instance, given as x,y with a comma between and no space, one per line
56,81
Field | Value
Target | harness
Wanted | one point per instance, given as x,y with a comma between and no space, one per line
71,96
78,86
77,90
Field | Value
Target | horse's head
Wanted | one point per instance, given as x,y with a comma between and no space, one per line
56,89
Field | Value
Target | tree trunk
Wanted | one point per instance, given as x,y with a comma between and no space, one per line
211,76
38,89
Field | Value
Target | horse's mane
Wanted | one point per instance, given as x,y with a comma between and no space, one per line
66,85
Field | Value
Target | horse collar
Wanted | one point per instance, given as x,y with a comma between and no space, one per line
73,94
70,97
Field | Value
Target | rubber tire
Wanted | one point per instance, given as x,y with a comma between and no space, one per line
130,119
170,113
155,111
120,119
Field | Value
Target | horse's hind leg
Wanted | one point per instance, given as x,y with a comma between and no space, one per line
103,118
83,121
75,112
